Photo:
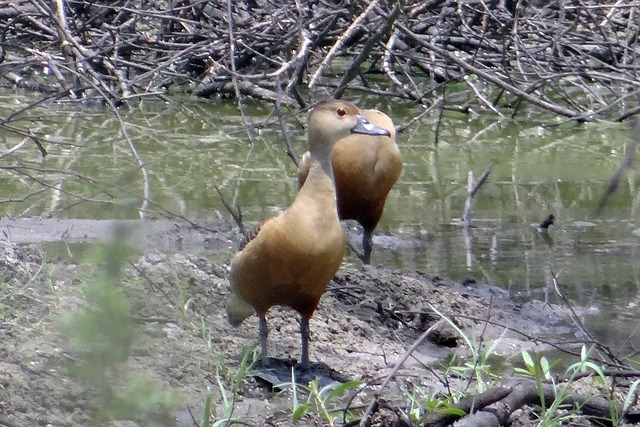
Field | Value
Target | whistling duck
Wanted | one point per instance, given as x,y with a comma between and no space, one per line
289,259
365,169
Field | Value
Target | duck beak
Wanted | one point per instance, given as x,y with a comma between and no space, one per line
365,128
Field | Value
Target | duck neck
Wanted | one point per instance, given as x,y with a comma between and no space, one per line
321,172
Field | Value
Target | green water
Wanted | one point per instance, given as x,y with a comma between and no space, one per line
188,147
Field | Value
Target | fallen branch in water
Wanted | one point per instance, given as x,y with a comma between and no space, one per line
472,189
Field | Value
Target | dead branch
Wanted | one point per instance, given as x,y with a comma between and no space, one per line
576,60
627,163
472,189
520,392
236,214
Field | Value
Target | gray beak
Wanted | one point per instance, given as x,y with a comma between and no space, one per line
365,128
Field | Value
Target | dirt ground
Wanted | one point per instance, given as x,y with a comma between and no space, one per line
366,321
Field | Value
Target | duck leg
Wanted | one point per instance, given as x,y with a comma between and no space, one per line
367,245
263,331
304,336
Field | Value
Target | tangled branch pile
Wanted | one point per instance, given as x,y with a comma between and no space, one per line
576,59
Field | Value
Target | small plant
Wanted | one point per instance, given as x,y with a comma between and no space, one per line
5,295
478,367
550,417
585,364
323,401
228,393
628,401
101,334
536,366
185,300
422,402
479,371
208,410
9,292
415,408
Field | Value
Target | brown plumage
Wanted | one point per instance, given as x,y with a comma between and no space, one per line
290,258
365,169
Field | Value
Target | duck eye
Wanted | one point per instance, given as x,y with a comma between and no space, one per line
341,112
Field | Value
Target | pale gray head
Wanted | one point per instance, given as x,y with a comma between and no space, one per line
334,119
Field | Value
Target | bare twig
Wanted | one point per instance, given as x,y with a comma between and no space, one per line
236,214
232,61
340,42
472,188
579,323
285,130
627,163
365,420
550,59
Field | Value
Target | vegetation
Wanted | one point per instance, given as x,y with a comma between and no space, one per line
486,396
101,334
575,60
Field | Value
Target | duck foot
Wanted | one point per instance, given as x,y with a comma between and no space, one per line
278,374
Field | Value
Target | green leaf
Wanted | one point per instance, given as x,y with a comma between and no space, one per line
595,368
452,411
628,401
546,370
342,389
523,372
528,360
299,412
206,416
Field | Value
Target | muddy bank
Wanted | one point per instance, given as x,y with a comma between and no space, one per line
365,322
165,235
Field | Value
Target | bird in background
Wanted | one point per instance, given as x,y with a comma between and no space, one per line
288,260
365,168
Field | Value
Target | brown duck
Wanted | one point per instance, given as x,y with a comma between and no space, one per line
289,259
365,169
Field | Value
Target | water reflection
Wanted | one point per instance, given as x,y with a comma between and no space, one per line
188,148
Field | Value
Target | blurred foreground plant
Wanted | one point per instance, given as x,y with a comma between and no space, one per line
101,334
